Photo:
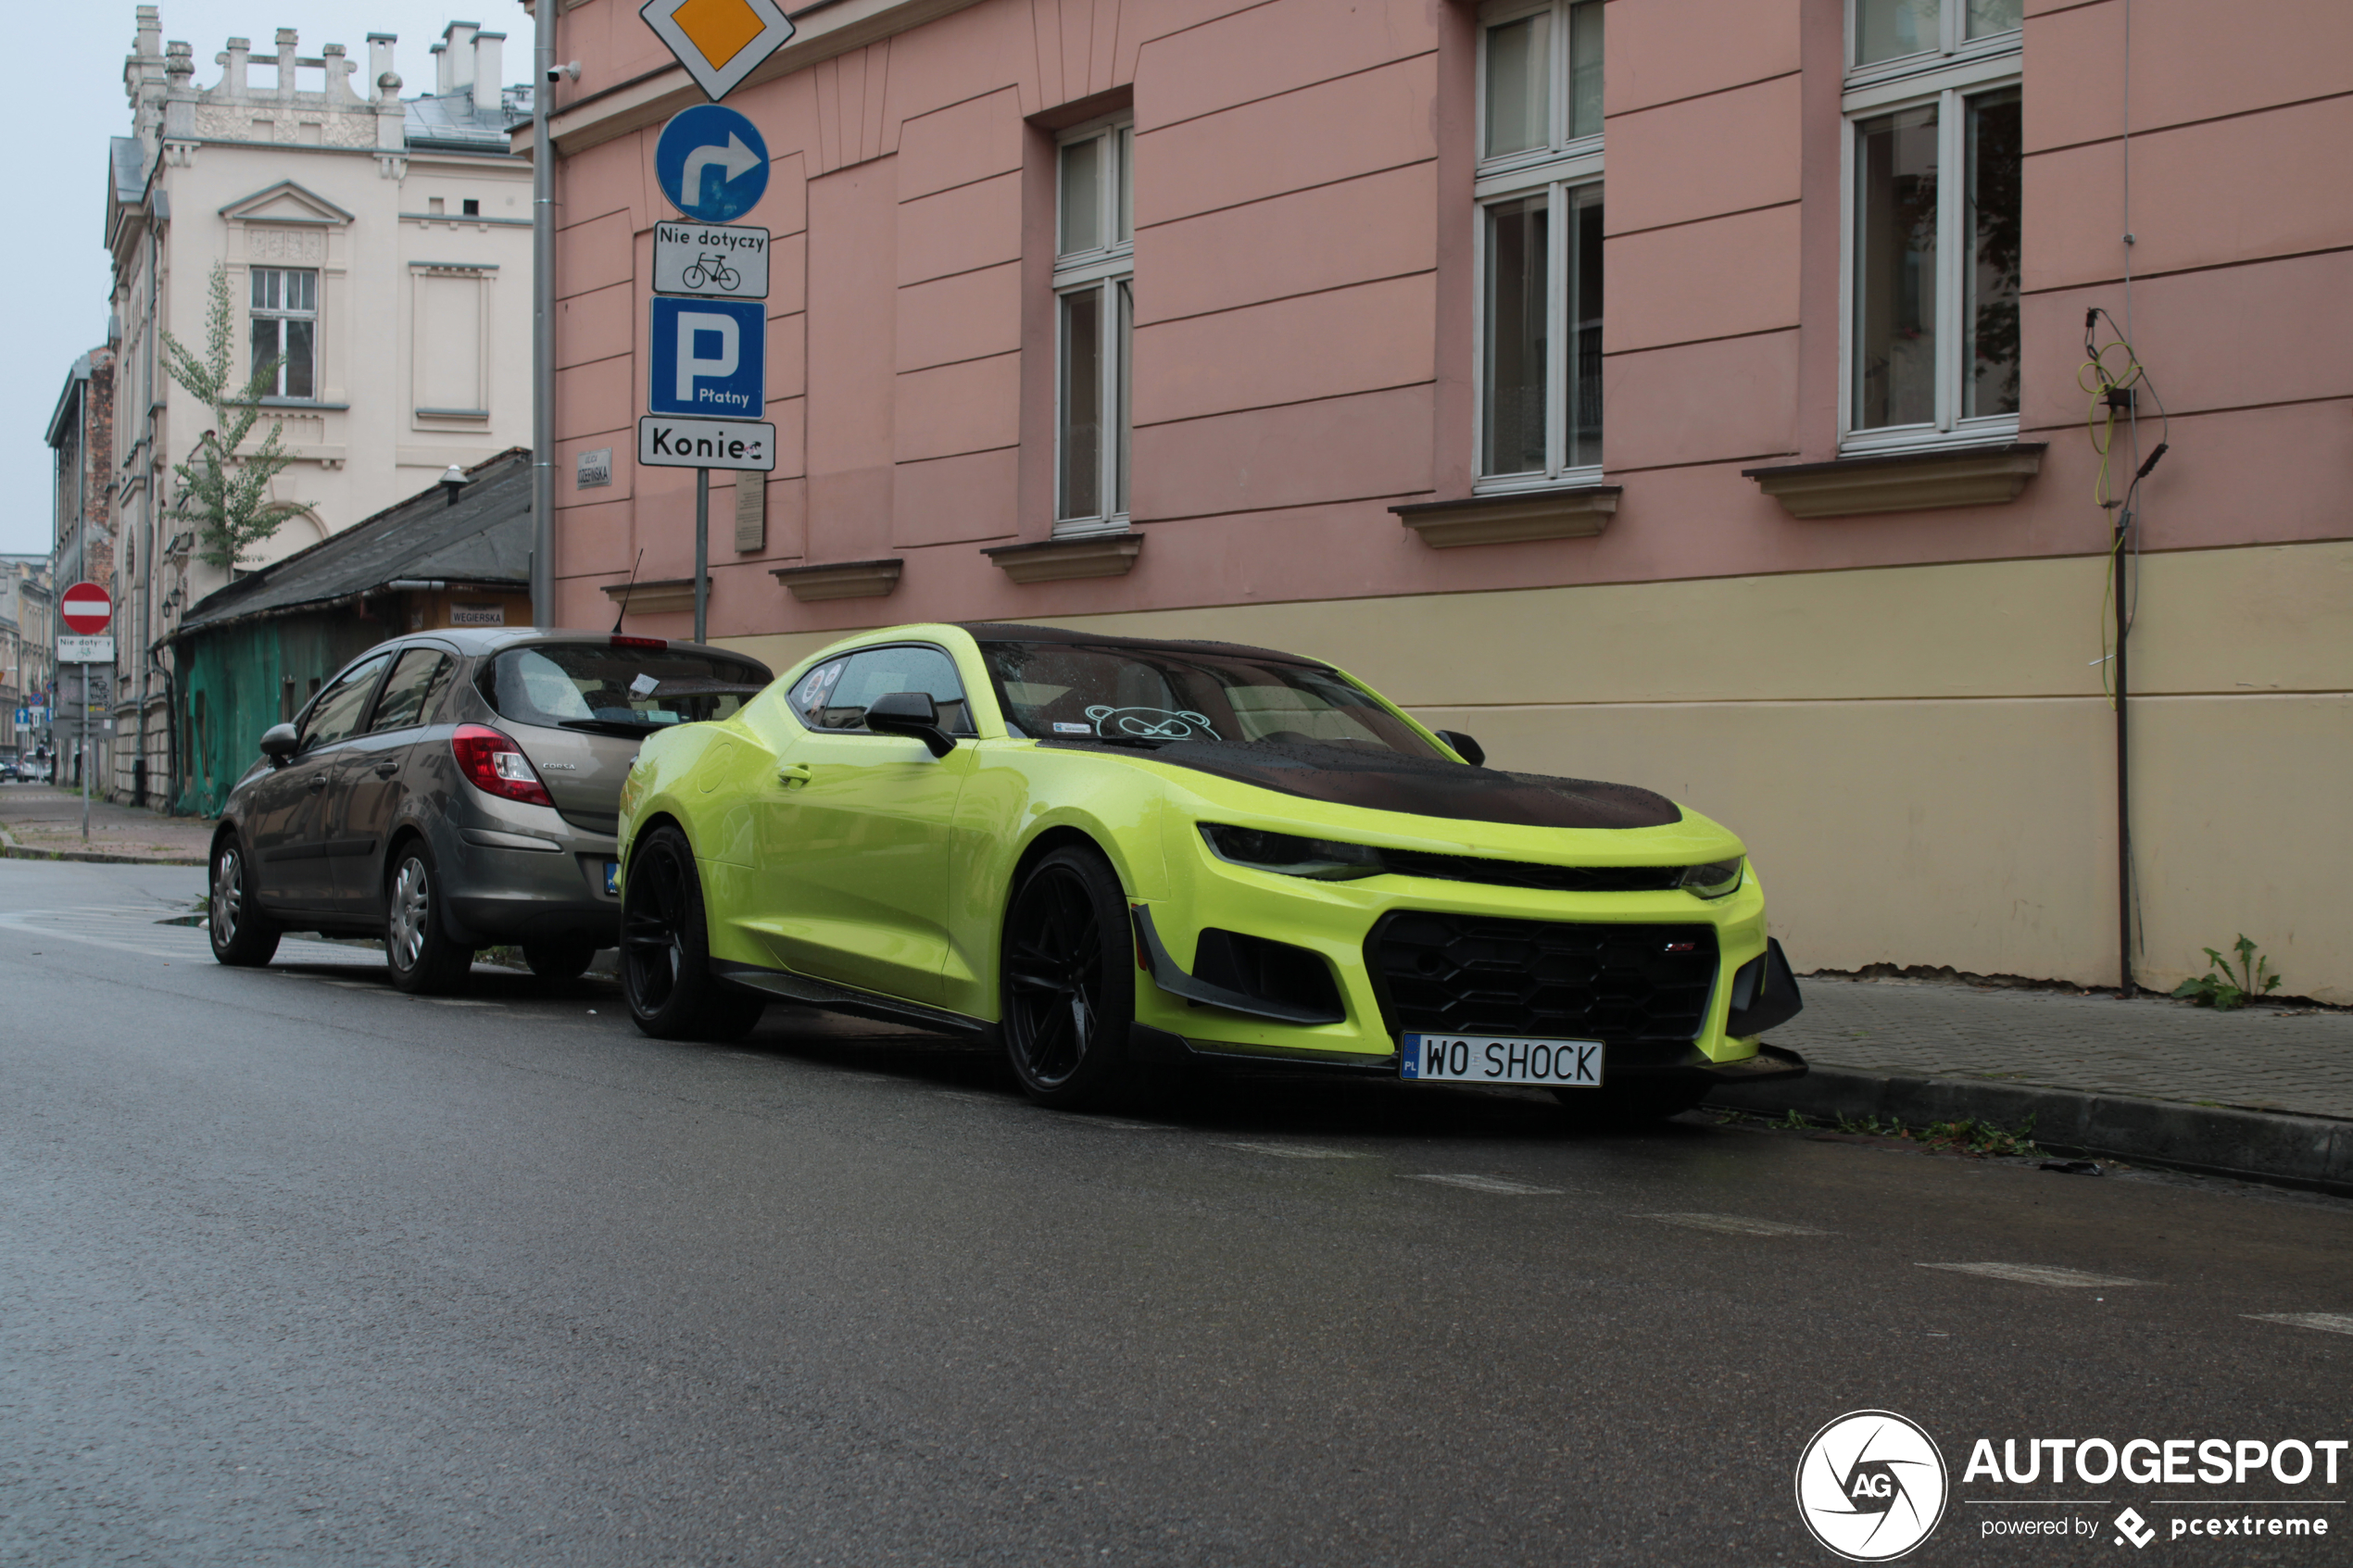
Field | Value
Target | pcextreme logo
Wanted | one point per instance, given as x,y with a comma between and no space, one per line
1871,1485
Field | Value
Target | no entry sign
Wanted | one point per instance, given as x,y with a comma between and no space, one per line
87,610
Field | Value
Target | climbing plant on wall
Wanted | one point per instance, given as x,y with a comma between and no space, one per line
224,493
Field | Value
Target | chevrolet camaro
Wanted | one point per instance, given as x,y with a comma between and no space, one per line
1104,853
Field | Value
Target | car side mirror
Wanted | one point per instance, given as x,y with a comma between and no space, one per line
1464,747
910,713
278,743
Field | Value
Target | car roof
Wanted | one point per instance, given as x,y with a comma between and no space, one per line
1012,631
496,639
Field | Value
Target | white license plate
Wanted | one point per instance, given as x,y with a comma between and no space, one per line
1498,1059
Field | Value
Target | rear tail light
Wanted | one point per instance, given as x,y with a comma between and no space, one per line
494,764
657,643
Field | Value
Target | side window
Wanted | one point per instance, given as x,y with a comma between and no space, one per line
336,713
409,692
840,692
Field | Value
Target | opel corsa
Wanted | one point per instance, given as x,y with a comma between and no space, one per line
1108,852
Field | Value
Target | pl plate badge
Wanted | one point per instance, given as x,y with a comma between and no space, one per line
1871,1485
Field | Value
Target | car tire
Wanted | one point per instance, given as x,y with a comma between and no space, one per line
242,936
1629,1105
423,956
665,948
1068,982
560,958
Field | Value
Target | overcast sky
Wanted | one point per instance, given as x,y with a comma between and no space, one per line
68,101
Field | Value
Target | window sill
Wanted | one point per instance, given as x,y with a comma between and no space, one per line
1904,482
668,596
1513,517
307,404
1085,555
476,416
840,580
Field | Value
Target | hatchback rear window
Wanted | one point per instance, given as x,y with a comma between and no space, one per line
617,690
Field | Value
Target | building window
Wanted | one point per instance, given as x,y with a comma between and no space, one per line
1540,244
1932,159
285,328
1095,314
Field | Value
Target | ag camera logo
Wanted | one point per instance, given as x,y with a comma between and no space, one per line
1871,1485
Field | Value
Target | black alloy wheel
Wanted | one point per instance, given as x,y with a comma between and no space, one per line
665,948
1069,981
241,934
423,956
559,958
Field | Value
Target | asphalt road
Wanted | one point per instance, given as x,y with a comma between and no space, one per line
295,1270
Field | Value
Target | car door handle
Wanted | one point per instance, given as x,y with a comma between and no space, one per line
792,775
386,769
317,781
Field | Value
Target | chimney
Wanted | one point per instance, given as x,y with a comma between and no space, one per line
489,47
150,43
457,65
232,63
379,62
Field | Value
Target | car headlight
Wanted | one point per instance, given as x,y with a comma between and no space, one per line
1322,858
1717,879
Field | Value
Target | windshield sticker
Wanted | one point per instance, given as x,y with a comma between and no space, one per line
644,685
1062,727
1150,723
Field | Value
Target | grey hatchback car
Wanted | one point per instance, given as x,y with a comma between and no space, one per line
451,790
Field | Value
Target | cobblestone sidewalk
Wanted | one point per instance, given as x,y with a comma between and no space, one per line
46,820
2258,1058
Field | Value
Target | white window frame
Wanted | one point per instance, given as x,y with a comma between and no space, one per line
1559,169
1108,267
315,315
1945,77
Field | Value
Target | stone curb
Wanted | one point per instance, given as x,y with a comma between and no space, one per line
20,852
2306,1151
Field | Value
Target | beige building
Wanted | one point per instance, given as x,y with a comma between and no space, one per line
378,247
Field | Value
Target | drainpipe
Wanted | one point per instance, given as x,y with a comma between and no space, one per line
147,510
543,312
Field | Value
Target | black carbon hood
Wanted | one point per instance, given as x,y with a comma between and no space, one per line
1384,781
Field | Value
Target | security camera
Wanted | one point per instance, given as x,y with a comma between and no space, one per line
569,71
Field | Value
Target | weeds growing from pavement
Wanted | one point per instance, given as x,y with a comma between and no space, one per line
2222,990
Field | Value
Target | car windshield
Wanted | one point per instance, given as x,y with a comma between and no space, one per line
626,689
1150,697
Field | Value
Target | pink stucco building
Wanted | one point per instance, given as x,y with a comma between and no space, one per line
1688,393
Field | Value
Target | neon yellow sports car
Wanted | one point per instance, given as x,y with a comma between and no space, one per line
1110,852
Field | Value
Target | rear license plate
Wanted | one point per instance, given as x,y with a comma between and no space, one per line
612,879
1498,1059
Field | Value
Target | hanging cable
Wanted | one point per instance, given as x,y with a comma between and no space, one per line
2112,376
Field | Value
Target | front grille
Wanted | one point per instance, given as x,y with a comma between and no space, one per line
1531,874
1471,974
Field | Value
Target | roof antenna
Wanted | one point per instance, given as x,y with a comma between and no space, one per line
626,586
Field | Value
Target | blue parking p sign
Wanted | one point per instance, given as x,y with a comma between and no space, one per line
710,358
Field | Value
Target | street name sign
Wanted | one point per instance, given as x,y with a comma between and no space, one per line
712,163
710,358
86,607
711,260
84,650
705,443
719,41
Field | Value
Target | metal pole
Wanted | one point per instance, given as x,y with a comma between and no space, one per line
543,311
86,762
2123,775
703,555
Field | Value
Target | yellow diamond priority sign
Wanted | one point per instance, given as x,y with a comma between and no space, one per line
719,41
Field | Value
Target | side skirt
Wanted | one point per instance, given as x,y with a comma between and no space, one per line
841,998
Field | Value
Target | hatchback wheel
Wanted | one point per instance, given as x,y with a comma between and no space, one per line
559,958
241,934
1069,981
665,948
424,956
